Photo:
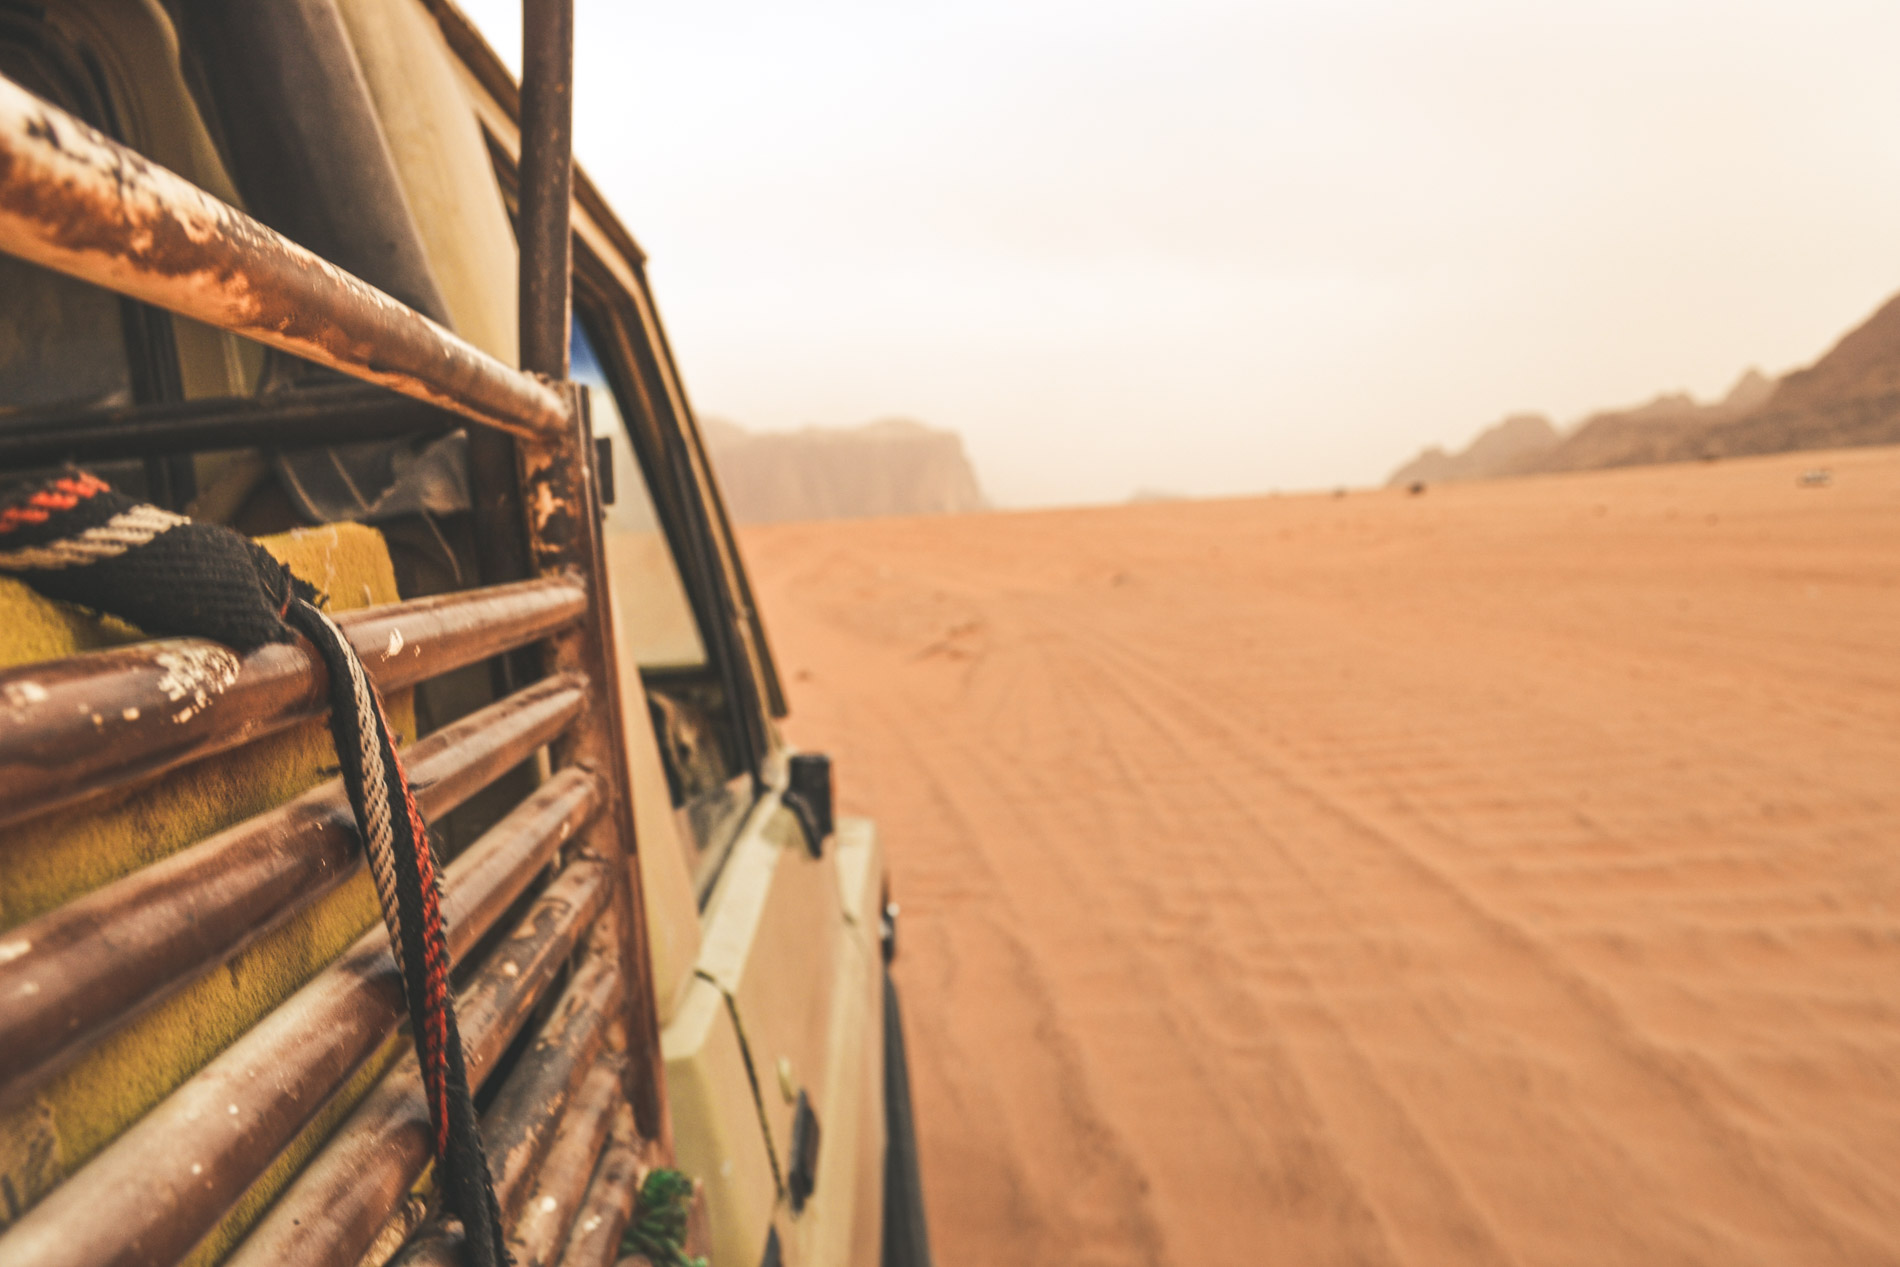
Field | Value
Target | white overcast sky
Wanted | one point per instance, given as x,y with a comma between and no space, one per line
1215,248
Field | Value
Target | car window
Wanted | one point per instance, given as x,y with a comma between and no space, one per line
689,704
656,620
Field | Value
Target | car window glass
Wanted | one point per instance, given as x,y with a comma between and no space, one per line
656,620
700,744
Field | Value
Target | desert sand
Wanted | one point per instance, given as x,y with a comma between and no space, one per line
1508,874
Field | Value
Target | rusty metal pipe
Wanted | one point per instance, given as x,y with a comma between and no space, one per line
337,1205
546,191
75,728
87,967
608,1205
76,201
549,1213
522,1122
564,533
579,1133
331,414
161,1186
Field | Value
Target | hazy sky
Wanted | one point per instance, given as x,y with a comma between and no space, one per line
1219,248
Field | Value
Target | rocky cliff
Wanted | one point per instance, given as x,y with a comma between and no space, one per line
1670,428
1493,452
894,467
1849,397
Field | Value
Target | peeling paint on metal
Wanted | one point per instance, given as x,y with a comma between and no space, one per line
74,200
20,695
196,671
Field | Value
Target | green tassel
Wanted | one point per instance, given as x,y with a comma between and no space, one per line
658,1227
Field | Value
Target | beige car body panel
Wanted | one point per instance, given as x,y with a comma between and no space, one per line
772,931
716,1131
810,1013
845,1224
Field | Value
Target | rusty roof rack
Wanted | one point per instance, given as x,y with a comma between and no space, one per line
544,907
335,413
76,201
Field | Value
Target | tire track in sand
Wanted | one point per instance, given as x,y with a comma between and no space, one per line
1516,879
1561,1006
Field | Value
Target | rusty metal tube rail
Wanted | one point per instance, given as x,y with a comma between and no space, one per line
578,1135
155,1191
594,1240
329,414
546,188
74,728
548,1214
74,200
521,1124
87,967
336,1207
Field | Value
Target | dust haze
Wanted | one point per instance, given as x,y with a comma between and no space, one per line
1224,248
1495,867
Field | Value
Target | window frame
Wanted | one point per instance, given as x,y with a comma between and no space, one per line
663,450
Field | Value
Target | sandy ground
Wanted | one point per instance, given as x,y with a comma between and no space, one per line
1509,874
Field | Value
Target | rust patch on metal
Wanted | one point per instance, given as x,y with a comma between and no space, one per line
74,200
608,1205
160,705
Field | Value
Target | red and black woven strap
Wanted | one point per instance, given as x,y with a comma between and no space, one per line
410,891
73,538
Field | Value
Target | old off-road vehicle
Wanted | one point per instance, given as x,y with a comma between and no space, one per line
304,269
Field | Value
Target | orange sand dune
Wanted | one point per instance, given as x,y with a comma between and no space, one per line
1509,874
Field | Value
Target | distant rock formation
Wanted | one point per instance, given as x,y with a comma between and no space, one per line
1669,428
1495,451
1849,397
894,467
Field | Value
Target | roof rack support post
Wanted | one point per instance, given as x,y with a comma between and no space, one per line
547,184
545,251
563,506
557,480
